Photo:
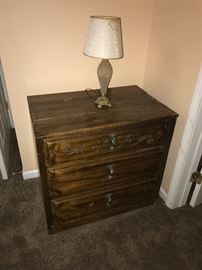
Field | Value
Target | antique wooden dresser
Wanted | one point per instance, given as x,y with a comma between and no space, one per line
96,163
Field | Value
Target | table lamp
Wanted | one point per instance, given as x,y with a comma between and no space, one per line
104,40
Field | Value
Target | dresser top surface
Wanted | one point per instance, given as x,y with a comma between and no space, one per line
65,112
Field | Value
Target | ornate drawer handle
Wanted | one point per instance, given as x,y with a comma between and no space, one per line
113,142
109,199
110,172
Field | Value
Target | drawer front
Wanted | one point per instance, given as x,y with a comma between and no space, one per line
68,180
79,207
105,143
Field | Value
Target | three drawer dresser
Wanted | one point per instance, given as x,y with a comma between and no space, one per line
95,163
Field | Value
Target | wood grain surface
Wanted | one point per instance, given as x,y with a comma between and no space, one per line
95,163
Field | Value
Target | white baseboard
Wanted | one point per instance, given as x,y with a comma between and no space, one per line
163,194
30,174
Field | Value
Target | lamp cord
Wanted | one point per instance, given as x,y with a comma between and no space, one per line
87,92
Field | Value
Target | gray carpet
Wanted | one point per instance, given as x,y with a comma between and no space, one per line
150,238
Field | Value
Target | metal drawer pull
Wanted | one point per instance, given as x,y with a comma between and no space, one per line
113,142
117,143
109,199
110,172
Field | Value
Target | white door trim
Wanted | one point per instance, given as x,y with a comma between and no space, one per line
188,158
3,168
6,94
163,194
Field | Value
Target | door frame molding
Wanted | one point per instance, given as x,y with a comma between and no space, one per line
6,93
188,155
3,171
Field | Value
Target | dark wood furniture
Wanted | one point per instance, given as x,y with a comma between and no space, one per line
95,163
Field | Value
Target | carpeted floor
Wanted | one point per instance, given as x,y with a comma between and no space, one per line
150,238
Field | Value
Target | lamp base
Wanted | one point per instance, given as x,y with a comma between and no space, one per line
104,73
102,101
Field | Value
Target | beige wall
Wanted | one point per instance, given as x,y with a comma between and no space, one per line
173,62
41,49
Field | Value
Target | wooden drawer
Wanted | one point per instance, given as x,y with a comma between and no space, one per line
103,143
69,180
59,224
76,208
